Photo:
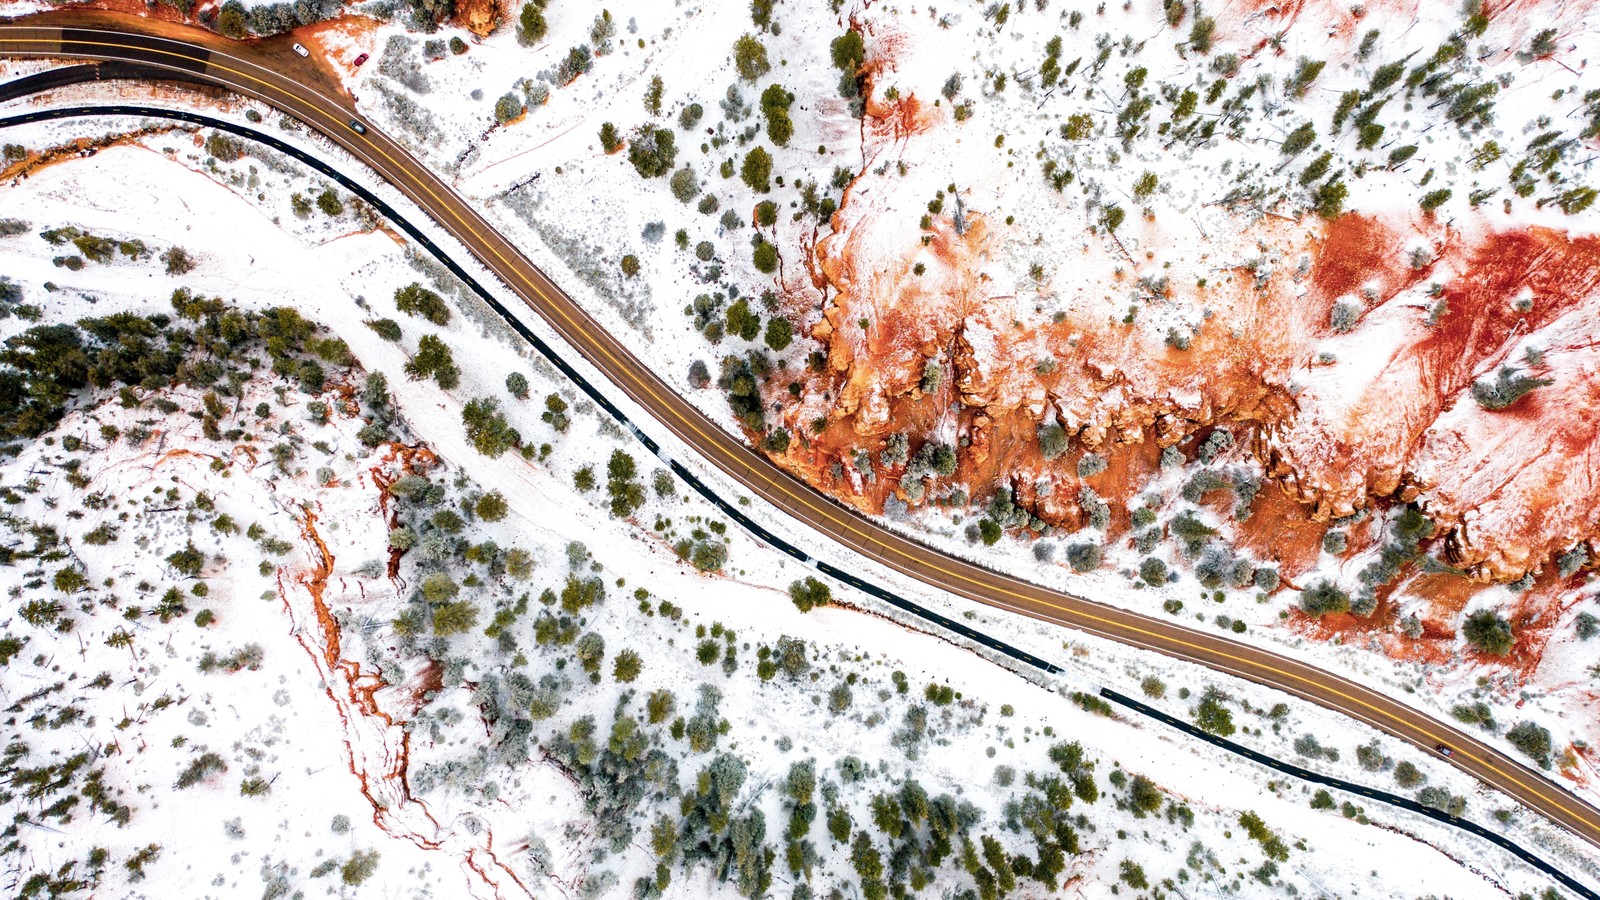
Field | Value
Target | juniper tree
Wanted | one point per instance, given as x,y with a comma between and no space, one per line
779,334
416,300
531,24
810,593
685,186
508,107
653,151
1532,739
652,95
756,170
765,259
1488,632
487,428
750,57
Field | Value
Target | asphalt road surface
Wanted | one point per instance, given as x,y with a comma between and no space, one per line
305,89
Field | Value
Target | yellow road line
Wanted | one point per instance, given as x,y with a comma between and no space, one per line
831,515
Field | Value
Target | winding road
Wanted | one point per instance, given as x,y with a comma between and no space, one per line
270,72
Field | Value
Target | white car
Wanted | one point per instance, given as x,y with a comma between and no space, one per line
300,49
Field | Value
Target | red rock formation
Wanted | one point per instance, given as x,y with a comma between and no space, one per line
1341,421
481,17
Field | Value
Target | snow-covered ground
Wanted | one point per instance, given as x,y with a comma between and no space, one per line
578,211
470,825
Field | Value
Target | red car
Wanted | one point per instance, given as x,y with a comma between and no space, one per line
361,59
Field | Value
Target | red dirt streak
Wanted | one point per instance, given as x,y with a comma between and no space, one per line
355,698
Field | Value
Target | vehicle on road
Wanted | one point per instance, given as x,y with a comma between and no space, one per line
301,49
1444,751
362,58
358,127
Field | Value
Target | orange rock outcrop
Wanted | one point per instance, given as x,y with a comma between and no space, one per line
924,336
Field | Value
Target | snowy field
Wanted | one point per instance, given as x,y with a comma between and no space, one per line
377,737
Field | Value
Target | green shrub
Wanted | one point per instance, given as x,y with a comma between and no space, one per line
1532,739
200,768
1323,598
1200,34
810,593
1407,775
507,108
1489,633
685,186
1084,557
487,428
779,334
756,170
750,58
360,866
653,151
1509,386
328,201
765,257
416,300
989,531
531,25
1153,571
1435,199
1212,716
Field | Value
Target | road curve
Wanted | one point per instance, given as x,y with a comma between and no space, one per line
269,72
96,72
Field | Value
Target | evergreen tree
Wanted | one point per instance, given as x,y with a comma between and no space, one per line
531,25
750,58
756,170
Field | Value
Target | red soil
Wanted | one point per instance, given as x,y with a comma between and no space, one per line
1506,489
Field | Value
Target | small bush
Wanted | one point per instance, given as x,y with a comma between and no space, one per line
388,329
1084,557
750,58
359,867
756,170
200,768
328,201
416,300
765,257
1489,633
810,593
508,108
491,507
1153,571
177,261
627,666
1052,440
1323,598
1532,739
1509,386
1407,775
653,151
685,186
531,25
1435,199
1344,315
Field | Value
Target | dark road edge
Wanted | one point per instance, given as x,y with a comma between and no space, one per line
1396,800
59,77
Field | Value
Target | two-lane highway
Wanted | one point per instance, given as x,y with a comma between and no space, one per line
268,72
